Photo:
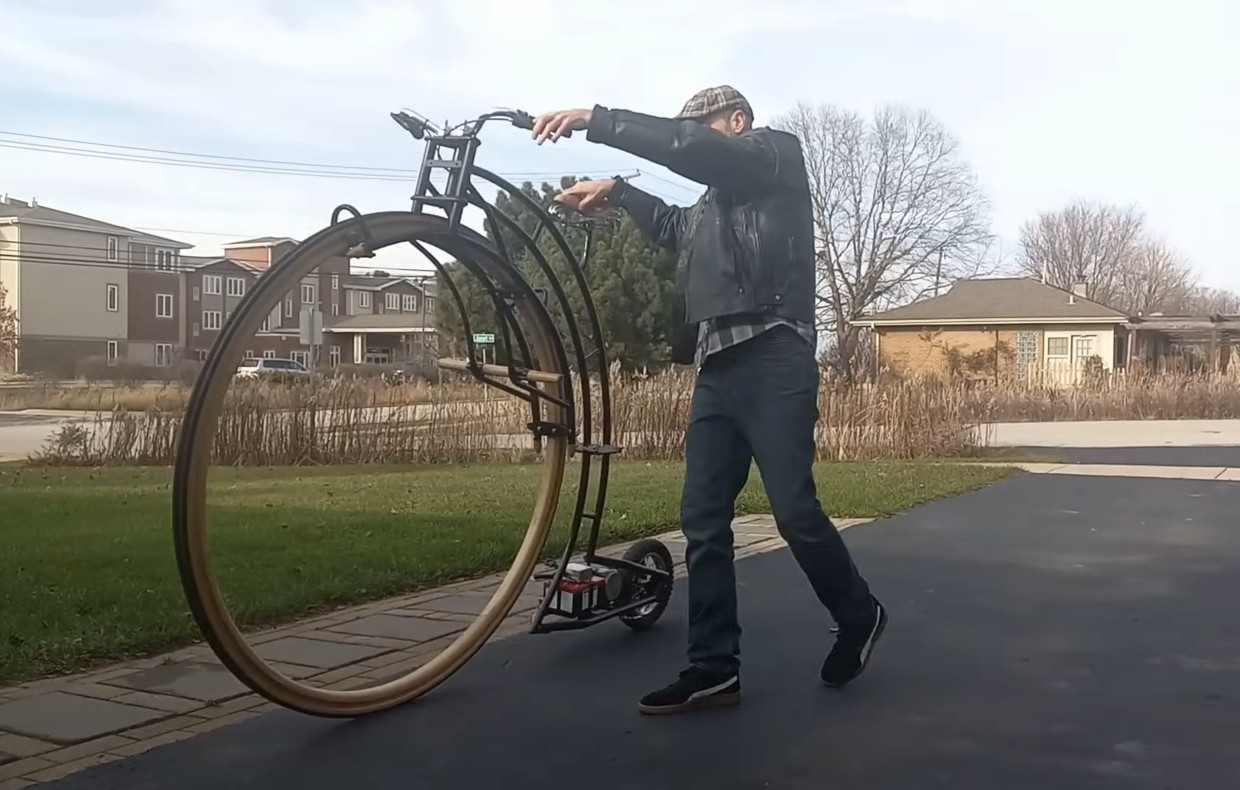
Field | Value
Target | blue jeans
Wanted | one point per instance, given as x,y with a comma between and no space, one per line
757,401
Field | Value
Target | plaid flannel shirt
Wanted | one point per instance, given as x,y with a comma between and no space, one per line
727,331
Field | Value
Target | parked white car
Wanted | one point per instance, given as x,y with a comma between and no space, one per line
254,368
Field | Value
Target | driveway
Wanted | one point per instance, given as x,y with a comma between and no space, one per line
1049,631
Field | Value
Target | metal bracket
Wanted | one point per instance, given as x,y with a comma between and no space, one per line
363,242
599,449
550,429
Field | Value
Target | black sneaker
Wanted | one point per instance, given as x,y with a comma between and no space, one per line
852,649
694,690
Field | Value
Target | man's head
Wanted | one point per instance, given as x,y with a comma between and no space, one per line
722,108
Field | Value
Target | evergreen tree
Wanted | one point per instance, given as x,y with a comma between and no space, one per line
631,282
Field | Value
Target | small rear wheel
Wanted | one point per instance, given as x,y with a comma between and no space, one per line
652,554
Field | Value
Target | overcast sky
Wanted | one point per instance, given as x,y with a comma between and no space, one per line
1052,99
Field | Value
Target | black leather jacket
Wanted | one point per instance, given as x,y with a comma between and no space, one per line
747,246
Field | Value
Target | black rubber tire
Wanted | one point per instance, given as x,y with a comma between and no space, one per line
640,552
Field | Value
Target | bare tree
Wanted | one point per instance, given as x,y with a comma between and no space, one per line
1084,241
8,332
1203,300
897,212
1156,278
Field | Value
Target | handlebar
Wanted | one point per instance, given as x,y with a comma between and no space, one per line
419,126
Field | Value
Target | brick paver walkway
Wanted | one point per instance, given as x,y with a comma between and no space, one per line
52,728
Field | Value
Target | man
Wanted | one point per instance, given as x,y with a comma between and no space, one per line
746,273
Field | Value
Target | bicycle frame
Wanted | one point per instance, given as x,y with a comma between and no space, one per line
452,152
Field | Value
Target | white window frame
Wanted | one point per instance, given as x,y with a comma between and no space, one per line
335,308
333,356
113,248
300,357
288,308
265,326
165,260
113,351
409,303
308,295
163,305
112,298
166,349
201,354
363,298
236,286
212,319
211,284
335,282
428,304
391,301
269,354
1067,343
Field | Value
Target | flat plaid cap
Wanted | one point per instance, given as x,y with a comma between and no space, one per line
712,100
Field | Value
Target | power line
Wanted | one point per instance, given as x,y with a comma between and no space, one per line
254,164
72,261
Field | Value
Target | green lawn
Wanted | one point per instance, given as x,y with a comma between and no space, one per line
87,573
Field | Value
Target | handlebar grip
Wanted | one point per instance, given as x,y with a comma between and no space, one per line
523,120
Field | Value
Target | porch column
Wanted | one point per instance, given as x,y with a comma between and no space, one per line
359,349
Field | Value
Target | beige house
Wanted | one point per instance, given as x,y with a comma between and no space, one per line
1002,328
67,277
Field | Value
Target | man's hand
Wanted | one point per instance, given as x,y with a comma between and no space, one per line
554,125
588,197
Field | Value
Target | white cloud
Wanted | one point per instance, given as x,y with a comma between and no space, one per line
1053,99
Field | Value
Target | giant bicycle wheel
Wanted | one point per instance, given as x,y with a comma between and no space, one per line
191,518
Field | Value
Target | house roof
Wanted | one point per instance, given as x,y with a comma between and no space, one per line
203,261
22,212
381,322
365,282
262,241
999,300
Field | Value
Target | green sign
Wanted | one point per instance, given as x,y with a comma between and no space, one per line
484,339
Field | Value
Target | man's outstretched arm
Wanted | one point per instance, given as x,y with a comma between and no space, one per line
660,222
689,148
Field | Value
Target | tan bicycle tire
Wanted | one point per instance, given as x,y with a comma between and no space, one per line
190,517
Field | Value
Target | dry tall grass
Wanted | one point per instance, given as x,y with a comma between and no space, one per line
355,422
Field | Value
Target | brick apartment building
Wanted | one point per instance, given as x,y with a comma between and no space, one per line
85,289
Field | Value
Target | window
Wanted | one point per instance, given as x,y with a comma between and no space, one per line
1056,346
113,298
195,329
163,355
269,355
193,294
409,303
307,294
249,354
114,248
165,260
335,282
335,309
333,355
429,304
211,284
113,351
163,305
363,298
236,286
265,326
202,355
300,357
288,308
211,319
391,301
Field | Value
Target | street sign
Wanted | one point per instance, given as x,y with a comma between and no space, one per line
484,340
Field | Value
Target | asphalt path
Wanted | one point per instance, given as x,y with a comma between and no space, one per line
1046,632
